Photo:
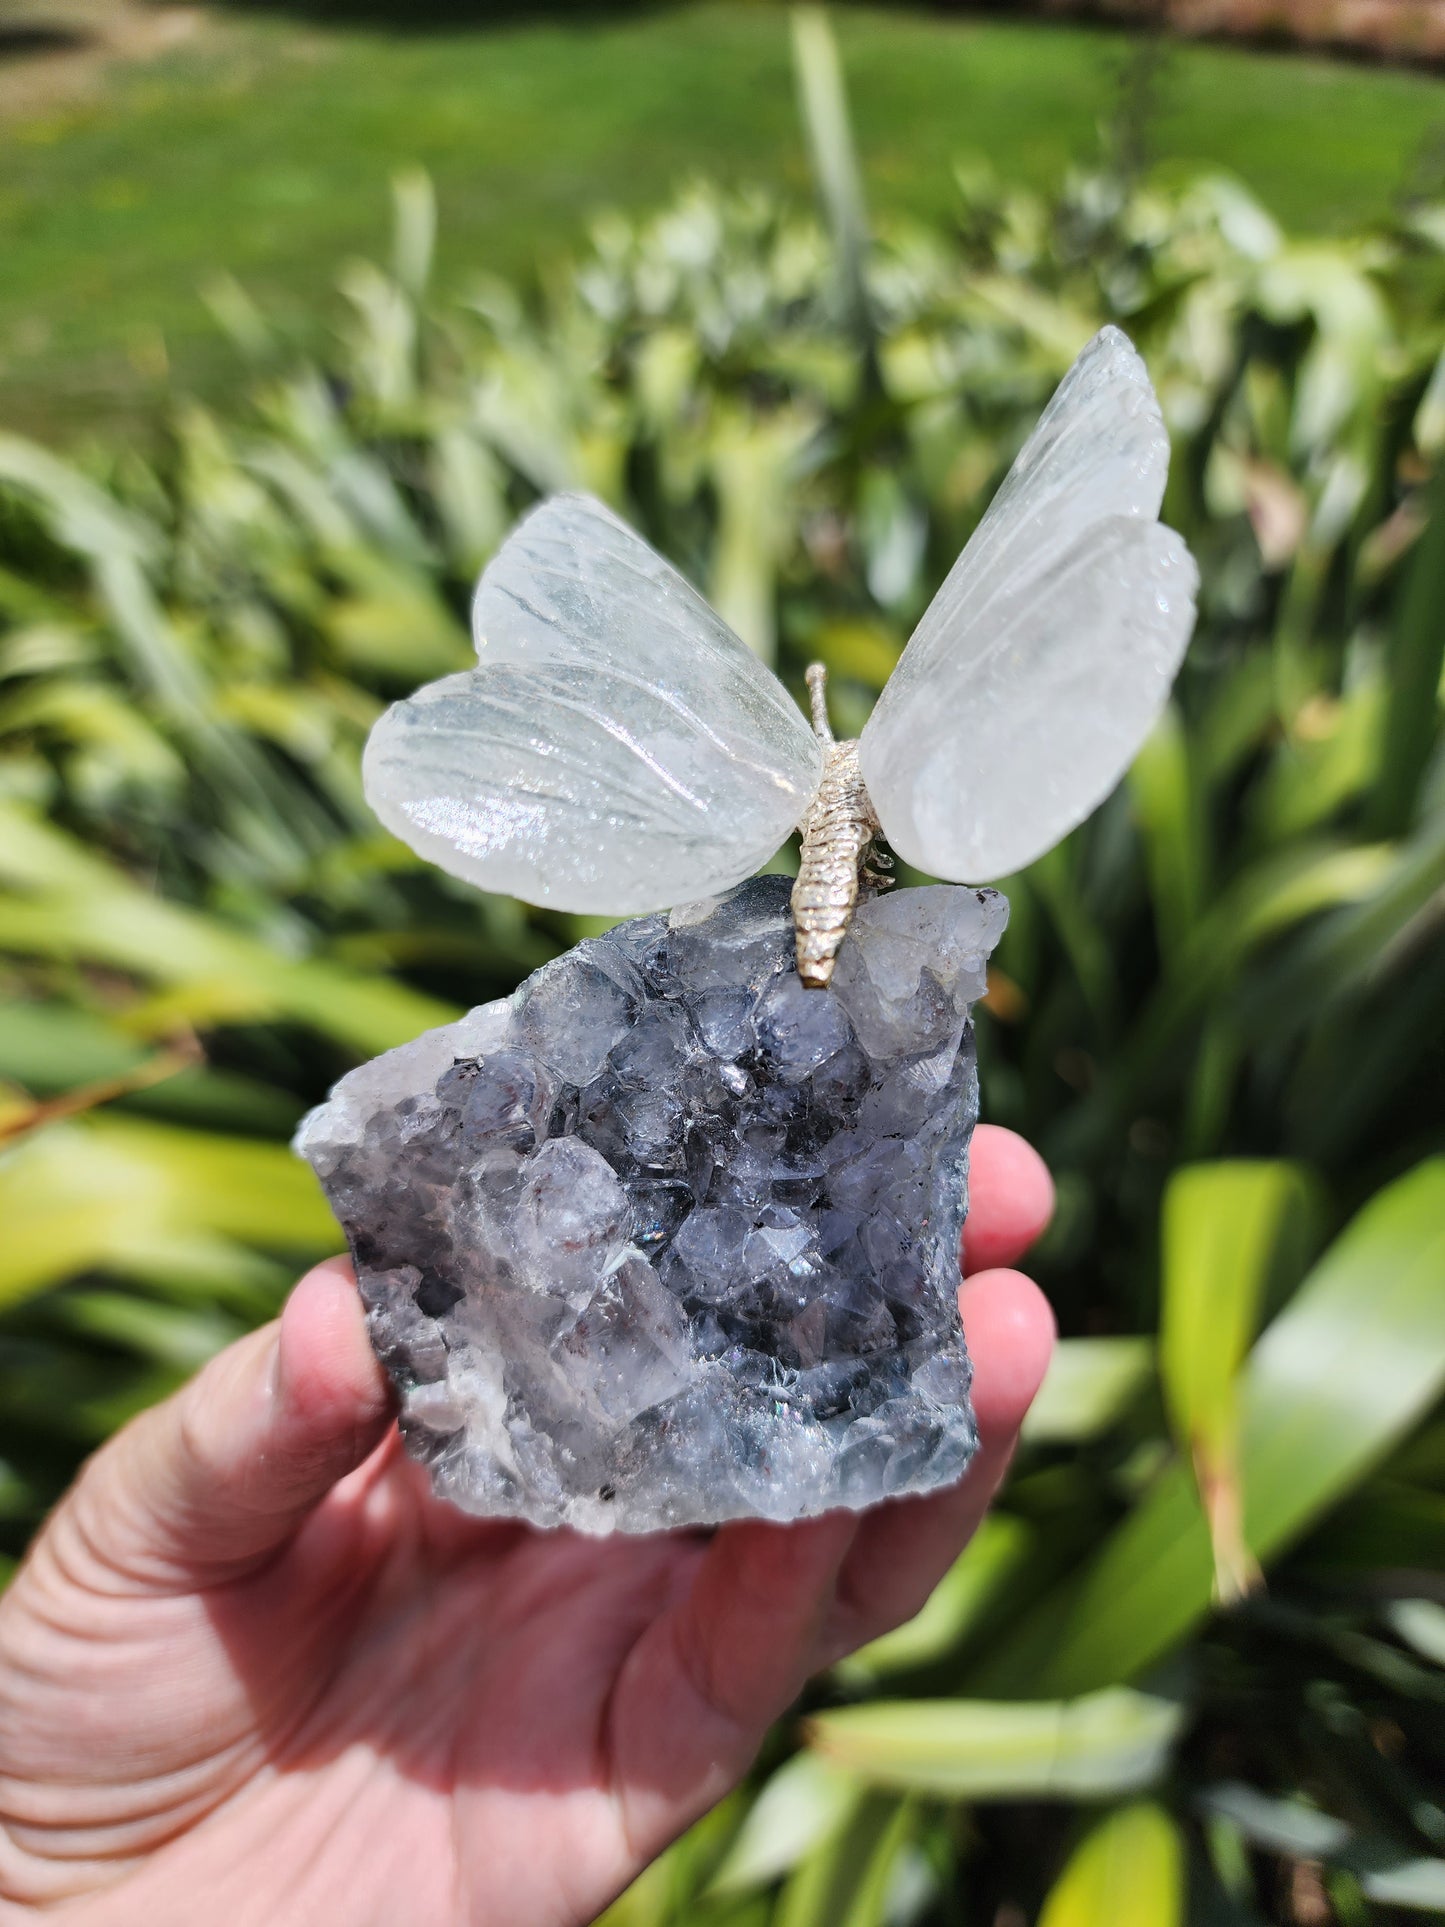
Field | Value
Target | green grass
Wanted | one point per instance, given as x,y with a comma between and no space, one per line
264,146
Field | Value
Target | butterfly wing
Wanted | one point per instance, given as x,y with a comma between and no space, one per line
1048,654
617,749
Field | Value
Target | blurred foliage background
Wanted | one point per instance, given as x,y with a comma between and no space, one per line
145,145
1193,1668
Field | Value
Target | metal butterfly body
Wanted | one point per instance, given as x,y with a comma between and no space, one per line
618,749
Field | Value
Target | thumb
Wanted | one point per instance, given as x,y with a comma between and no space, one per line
222,1474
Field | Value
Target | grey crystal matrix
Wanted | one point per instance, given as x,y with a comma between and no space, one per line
664,1238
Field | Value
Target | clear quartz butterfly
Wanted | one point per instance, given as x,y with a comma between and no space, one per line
618,749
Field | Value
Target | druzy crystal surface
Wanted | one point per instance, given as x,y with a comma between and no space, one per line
665,1238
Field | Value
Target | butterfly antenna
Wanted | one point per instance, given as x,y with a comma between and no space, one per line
817,681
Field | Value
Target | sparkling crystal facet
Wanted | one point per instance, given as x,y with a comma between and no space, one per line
666,1239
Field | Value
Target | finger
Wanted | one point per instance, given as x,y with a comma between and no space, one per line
1011,1198
223,1473
728,1654
751,1621
904,1549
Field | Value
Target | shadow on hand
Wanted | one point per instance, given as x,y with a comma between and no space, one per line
469,1653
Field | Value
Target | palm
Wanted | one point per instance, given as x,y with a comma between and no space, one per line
402,1678
393,1713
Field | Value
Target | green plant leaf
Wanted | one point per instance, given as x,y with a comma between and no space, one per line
1091,1384
1127,1871
1161,789
1292,1827
803,1803
77,906
1398,1880
1416,654
414,228
845,1880
51,1048
180,1337
995,1555
399,630
1385,1523
824,103
1356,943
865,652
82,515
671,1889
751,461
115,1193
1421,1624
1089,1748
1055,877
1270,899
1311,779
1346,1369
1222,1225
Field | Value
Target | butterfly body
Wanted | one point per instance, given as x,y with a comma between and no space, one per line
839,831
618,749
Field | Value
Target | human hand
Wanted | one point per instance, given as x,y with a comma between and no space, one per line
253,1672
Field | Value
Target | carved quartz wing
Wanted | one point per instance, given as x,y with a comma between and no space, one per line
617,749
1048,654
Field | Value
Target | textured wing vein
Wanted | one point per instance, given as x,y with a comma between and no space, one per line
617,749
1047,655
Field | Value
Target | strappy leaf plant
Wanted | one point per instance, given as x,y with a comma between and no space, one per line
1194,1666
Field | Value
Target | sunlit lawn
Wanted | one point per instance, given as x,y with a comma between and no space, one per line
264,146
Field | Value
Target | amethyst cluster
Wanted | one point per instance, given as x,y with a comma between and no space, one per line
664,1238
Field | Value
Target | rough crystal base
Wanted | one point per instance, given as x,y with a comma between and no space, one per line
664,1238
